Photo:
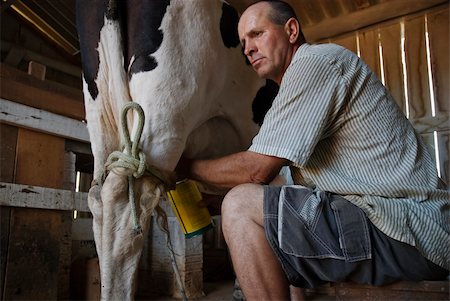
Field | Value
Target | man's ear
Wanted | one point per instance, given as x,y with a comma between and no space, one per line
292,28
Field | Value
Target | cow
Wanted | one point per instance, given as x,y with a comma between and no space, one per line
181,61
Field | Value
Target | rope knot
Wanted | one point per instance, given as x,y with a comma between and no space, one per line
131,161
125,164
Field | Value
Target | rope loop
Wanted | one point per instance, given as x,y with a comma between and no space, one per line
131,162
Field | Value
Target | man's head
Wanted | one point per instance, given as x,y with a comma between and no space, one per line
270,34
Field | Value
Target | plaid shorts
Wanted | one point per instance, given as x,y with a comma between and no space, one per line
321,237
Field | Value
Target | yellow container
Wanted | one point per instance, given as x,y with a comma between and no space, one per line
193,217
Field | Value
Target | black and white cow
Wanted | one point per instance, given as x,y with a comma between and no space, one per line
182,62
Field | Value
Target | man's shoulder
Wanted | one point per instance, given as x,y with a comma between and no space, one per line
325,50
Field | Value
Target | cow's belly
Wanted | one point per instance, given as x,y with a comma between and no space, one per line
217,137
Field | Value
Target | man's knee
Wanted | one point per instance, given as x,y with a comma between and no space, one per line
240,199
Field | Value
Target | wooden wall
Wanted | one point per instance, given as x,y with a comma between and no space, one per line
415,68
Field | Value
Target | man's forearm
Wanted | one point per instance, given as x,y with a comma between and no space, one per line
235,169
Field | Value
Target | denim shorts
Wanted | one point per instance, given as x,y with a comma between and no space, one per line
321,237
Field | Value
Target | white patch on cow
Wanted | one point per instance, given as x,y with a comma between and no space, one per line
198,101
197,80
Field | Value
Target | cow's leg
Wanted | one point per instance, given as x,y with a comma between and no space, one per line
121,244
116,246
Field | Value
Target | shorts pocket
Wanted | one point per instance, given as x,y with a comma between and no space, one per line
354,237
302,231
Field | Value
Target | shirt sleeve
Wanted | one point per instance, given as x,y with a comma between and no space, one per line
309,98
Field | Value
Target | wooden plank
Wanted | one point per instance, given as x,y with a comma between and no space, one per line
5,213
33,255
14,56
348,42
28,196
368,44
404,290
390,37
40,159
20,87
438,30
43,121
65,256
303,15
313,10
430,124
374,14
8,136
416,65
330,9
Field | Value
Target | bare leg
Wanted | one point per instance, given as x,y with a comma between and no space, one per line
257,268
297,294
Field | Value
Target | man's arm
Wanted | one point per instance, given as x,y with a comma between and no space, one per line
235,169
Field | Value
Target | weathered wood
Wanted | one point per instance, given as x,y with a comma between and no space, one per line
438,29
33,255
37,70
375,14
368,42
65,256
20,87
5,213
34,258
400,291
40,159
42,121
14,56
331,9
430,124
392,58
27,196
8,136
417,73
314,11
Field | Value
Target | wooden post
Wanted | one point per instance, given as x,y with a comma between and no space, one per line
8,136
33,255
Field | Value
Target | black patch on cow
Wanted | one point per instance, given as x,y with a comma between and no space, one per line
90,19
144,37
228,26
112,9
263,101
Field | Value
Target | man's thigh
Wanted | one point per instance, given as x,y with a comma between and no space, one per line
320,237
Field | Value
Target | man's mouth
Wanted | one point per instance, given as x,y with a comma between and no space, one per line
256,61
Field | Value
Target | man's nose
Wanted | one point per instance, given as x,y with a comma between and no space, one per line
249,49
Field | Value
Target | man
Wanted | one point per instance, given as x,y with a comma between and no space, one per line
368,205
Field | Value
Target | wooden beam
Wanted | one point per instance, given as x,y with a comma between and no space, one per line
28,196
362,18
42,121
18,86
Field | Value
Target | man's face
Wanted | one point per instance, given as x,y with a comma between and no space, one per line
265,44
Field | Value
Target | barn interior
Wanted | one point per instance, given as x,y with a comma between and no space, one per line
47,248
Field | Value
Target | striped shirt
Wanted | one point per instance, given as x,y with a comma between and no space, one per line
343,133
